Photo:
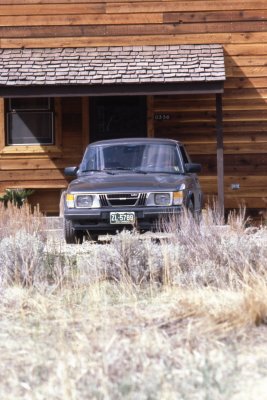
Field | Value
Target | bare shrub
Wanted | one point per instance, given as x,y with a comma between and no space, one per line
188,254
22,244
21,256
223,256
129,258
106,335
12,219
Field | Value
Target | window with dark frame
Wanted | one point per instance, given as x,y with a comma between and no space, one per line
30,121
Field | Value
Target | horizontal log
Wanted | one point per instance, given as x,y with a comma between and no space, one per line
244,82
246,61
241,193
51,151
31,184
246,49
104,29
36,175
14,2
230,115
229,148
234,164
52,9
192,6
211,138
215,16
246,180
193,106
52,31
83,19
245,203
114,40
180,28
27,164
244,93
157,39
248,72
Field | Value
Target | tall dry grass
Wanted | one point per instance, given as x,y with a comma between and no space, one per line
178,316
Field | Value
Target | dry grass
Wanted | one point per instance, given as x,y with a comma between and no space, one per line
180,318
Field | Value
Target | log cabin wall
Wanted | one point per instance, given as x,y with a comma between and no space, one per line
241,27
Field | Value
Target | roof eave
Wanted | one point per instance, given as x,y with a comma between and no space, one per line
125,89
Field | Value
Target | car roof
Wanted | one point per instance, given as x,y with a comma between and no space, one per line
135,141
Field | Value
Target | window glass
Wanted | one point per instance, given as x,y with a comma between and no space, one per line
144,157
185,156
29,121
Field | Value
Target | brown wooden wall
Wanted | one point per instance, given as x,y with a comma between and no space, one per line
41,167
241,26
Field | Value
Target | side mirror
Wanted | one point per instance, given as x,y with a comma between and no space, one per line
71,171
192,168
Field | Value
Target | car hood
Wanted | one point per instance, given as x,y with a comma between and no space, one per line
102,182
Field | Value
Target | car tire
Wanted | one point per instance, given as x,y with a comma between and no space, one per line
195,214
191,207
71,236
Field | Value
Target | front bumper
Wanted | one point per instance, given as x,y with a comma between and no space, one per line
98,220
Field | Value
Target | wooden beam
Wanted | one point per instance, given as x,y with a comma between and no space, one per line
150,116
85,122
2,124
220,157
58,123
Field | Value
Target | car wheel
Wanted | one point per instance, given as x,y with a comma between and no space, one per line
191,208
71,236
195,214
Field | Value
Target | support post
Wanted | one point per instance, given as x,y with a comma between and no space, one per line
150,116
220,156
85,122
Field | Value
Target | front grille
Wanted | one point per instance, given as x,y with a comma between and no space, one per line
103,200
122,199
125,195
142,199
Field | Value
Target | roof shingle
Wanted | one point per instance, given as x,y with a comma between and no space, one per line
105,65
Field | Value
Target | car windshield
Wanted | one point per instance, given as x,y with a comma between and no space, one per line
151,157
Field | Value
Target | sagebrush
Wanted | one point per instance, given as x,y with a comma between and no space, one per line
176,315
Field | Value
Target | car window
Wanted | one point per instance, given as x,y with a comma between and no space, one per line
161,158
90,160
184,154
146,157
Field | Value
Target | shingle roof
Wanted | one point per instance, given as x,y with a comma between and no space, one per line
109,65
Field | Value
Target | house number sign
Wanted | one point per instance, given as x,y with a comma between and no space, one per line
162,117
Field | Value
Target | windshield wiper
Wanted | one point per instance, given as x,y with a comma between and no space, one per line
166,172
136,170
140,171
98,170
120,168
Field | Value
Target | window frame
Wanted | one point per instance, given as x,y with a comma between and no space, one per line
29,111
53,150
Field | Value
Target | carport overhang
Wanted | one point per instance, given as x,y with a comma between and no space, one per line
189,69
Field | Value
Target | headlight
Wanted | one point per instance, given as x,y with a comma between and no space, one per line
178,198
70,200
85,201
162,199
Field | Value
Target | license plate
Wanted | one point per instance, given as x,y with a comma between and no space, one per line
122,217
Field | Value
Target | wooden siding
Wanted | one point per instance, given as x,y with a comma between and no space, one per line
241,27
38,168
